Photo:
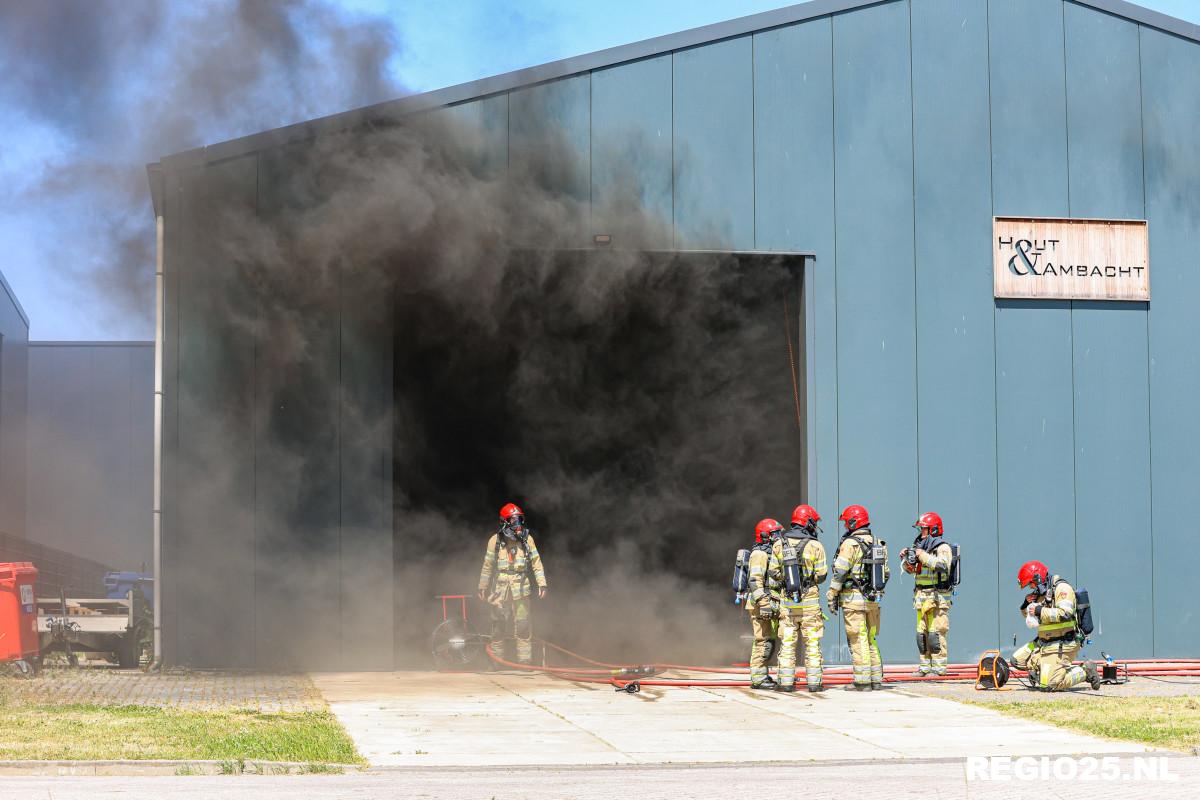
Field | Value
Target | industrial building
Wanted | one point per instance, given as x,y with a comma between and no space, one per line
76,448
872,146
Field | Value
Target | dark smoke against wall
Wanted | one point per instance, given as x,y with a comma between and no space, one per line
106,86
640,405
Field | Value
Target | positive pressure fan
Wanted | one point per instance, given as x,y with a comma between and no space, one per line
455,646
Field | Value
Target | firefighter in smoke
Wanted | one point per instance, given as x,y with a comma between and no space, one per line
1050,608
797,564
763,604
928,561
504,582
852,590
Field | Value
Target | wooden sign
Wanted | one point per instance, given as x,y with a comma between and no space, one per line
1070,259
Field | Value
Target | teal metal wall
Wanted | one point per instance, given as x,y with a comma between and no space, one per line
883,139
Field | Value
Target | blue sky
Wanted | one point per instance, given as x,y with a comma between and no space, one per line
75,250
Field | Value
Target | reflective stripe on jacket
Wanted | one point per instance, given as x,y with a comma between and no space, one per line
934,567
505,569
1057,619
849,572
813,567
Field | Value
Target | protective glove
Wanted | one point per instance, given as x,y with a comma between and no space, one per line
1031,621
1034,610
831,599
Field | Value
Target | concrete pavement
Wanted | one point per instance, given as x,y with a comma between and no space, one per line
885,781
425,719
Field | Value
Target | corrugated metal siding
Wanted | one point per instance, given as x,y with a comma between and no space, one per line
884,139
14,394
90,452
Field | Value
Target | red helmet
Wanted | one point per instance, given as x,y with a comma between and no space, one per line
855,517
1032,572
764,529
930,519
510,510
802,515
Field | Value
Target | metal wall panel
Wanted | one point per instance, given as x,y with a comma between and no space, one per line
215,524
1112,403
956,377
90,462
14,375
549,135
631,153
713,158
365,607
173,264
1171,108
877,414
793,130
1034,416
297,439
480,133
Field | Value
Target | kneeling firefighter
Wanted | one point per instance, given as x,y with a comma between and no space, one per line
860,574
763,604
504,582
931,561
798,564
1051,607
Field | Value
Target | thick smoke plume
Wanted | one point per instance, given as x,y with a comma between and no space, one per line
98,89
639,404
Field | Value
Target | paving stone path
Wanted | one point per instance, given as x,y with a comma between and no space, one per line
183,689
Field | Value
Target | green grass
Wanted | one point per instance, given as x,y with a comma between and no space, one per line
1168,722
92,732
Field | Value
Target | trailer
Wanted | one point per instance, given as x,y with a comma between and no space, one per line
118,629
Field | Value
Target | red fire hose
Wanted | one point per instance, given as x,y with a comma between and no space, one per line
633,676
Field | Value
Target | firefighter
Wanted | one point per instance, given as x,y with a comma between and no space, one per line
800,615
850,591
504,582
928,560
1050,607
763,604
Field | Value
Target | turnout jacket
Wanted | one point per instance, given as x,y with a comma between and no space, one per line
505,570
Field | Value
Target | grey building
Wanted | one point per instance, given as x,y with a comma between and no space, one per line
879,138
14,355
90,437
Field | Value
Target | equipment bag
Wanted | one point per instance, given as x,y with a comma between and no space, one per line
1083,611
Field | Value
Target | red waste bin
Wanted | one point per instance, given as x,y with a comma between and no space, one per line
18,612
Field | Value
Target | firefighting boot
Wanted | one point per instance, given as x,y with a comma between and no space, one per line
816,688
1091,675
768,684
857,687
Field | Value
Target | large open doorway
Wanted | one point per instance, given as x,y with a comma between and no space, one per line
645,408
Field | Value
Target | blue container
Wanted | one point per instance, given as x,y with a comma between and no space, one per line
118,584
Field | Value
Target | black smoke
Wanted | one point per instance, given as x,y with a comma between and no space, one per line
110,86
642,405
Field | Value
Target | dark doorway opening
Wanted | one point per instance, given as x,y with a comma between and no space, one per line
645,408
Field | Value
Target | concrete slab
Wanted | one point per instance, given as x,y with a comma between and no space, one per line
412,719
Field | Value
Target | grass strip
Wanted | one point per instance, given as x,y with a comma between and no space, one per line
93,732
1167,722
